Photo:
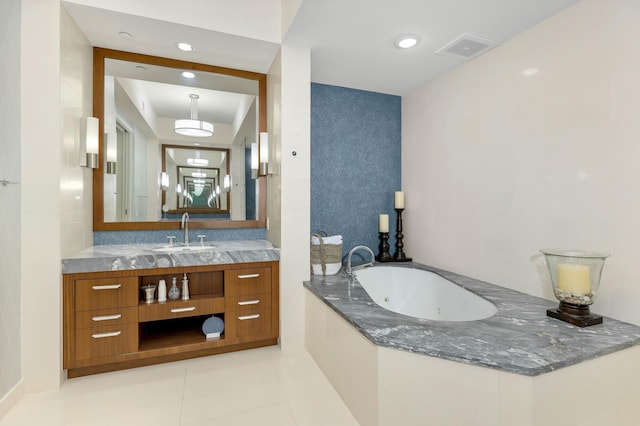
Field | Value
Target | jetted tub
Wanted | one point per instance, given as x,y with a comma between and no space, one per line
422,294
394,369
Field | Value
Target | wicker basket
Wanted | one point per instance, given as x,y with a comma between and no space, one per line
326,257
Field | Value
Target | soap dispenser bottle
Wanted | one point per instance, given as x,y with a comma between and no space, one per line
185,287
174,291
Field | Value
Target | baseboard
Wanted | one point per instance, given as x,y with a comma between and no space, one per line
12,397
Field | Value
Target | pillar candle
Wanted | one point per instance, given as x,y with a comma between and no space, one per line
383,223
399,201
574,279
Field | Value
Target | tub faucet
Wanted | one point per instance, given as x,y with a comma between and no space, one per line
185,226
350,268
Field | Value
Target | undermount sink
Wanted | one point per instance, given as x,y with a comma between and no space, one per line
183,249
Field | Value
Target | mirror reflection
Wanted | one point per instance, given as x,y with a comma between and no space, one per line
178,139
195,181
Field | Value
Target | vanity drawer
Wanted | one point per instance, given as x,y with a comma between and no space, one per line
106,293
106,340
236,303
105,317
243,282
248,324
180,309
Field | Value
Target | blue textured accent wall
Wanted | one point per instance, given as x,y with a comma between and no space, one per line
355,163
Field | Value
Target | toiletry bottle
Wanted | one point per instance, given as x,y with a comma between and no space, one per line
162,291
174,291
185,287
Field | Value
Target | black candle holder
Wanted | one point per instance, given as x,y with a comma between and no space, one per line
399,255
383,248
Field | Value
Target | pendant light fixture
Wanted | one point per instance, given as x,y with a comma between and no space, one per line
193,126
197,162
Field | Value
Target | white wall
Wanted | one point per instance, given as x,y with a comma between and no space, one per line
40,204
76,101
274,128
10,229
497,165
289,188
139,161
52,211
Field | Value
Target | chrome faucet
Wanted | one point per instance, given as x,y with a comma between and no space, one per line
185,226
350,268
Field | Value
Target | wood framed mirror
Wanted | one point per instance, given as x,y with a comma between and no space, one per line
135,98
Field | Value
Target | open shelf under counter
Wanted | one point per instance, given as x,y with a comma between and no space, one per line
182,334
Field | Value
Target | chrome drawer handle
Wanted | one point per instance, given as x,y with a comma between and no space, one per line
249,302
178,310
107,287
249,317
242,277
103,335
107,317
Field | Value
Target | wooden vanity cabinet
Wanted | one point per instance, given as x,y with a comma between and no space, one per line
248,303
107,325
106,317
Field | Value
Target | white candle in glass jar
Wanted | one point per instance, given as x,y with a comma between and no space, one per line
399,200
383,223
574,279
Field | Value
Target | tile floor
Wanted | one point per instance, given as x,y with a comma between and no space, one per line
257,387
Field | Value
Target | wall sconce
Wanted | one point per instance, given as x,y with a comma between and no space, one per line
226,183
89,142
111,167
254,160
178,188
111,154
264,153
164,181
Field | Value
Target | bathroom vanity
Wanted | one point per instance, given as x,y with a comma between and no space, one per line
108,326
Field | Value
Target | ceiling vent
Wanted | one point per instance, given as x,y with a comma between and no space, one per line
466,47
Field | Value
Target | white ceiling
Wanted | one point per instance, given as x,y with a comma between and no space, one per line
351,41
221,97
160,37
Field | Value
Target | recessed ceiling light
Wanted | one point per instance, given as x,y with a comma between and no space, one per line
530,72
125,35
407,41
185,47
188,74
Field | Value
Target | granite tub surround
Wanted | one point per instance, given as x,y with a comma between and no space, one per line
519,338
146,256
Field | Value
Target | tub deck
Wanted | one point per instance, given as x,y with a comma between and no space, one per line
519,338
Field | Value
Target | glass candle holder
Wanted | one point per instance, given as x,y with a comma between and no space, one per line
575,277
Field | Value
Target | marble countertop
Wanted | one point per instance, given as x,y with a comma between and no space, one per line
145,256
519,338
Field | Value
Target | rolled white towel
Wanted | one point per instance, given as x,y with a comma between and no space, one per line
333,239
